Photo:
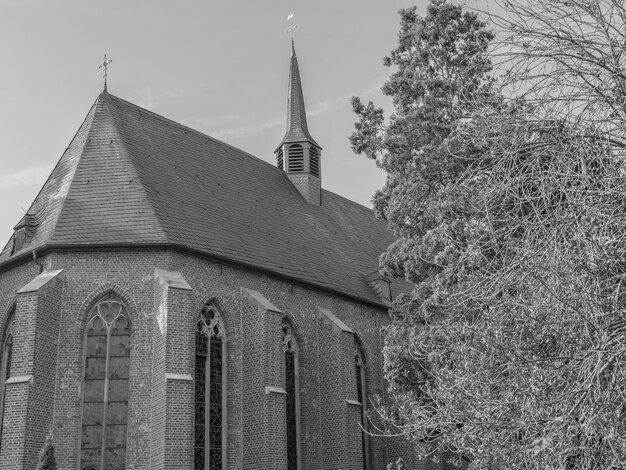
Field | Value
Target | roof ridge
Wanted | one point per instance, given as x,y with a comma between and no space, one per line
91,113
89,155
218,141
191,129
128,157
42,198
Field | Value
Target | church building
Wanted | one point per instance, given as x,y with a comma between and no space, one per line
171,302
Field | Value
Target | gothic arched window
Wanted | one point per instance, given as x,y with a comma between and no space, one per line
210,442
105,386
5,364
292,403
362,397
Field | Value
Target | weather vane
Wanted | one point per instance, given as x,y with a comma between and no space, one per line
105,66
292,24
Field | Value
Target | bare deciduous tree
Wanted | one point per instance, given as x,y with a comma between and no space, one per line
511,350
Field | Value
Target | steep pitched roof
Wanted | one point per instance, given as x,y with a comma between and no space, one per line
297,128
131,177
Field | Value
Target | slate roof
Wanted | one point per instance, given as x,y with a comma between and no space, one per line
131,177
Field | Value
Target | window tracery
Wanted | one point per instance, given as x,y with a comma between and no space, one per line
291,399
209,391
5,366
105,386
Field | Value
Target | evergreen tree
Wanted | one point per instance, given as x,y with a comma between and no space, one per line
509,201
441,70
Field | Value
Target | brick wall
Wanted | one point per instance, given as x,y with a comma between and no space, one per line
88,277
173,388
29,393
263,386
254,359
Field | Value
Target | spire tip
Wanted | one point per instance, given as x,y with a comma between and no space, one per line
105,66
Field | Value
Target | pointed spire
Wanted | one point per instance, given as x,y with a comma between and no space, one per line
297,129
298,155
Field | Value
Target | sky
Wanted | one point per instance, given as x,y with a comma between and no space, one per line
220,67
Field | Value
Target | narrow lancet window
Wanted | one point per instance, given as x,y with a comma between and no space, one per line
105,386
209,403
5,369
292,397
362,397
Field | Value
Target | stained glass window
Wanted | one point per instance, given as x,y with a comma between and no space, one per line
291,404
105,387
5,365
209,401
362,397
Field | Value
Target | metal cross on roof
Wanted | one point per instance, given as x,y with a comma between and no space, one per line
292,24
105,66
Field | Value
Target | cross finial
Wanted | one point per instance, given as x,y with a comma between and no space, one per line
292,24
105,66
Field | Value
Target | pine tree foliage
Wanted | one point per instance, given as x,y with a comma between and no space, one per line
46,456
508,196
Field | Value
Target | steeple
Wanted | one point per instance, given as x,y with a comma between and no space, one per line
298,154
297,129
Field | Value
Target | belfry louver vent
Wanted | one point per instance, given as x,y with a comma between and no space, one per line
296,158
279,159
298,155
314,161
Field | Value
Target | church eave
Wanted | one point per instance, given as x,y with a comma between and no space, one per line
297,137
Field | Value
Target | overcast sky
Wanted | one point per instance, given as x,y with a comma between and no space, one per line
220,67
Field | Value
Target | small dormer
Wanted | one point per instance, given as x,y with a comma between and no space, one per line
19,236
381,285
25,228
298,154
